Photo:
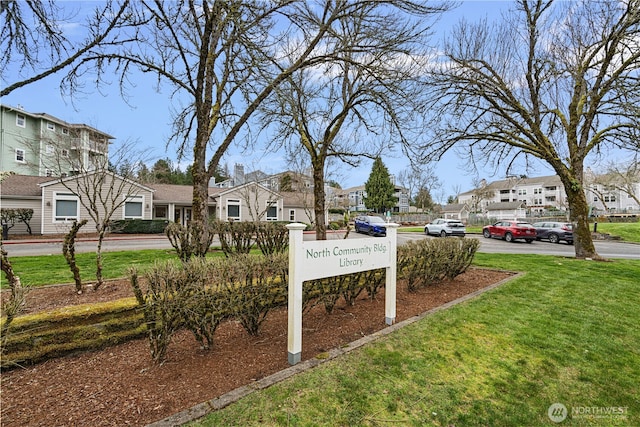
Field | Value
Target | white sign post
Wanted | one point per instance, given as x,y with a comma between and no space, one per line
326,258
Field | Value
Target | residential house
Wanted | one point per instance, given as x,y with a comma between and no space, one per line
456,211
23,192
298,207
248,202
174,202
506,210
40,144
57,202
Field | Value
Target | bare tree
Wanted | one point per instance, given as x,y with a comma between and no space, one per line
453,198
100,191
34,44
481,192
557,82
420,181
362,101
222,58
623,178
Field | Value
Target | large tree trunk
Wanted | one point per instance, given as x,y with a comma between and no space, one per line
199,226
318,201
579,216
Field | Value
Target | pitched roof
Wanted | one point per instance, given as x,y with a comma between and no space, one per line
50,118
297,199
510,183
172,193
85,175
498,206
454,207
22,185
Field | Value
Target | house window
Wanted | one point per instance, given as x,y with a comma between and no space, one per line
292,214
64,153
48,172
20,155
133,207
272,211
66,207
21,120
51,126
49,149
233,209
65,131
160,212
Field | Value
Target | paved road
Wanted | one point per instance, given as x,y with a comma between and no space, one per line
608,249
49,247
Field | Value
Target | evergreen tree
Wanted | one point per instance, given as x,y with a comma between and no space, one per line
379,188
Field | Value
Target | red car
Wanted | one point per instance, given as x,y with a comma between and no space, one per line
510,231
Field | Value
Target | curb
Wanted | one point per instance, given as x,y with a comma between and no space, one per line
202,409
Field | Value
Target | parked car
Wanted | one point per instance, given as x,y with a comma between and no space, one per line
510,231
554,231
370,224
445,227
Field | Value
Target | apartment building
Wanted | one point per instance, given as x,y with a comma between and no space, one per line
546,193
39,144
353,199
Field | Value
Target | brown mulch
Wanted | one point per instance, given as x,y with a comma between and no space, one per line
121,386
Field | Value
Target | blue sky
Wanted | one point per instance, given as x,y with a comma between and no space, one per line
147,116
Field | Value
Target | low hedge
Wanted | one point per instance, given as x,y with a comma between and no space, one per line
138,226
198,295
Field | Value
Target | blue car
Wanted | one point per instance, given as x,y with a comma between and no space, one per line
372,225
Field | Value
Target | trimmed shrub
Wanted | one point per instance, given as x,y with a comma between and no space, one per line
186,240
162,305
257,285
138,226
200,293
236,237
427,261
272,237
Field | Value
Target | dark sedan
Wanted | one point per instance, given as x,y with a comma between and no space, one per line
554,232
370,224
510,231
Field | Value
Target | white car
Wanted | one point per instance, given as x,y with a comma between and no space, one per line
445,227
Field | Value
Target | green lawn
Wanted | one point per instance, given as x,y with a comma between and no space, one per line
53,269
565,332
628,231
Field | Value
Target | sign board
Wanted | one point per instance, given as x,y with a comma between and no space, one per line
326,258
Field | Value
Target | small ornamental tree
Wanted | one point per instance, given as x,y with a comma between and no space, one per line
379,188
